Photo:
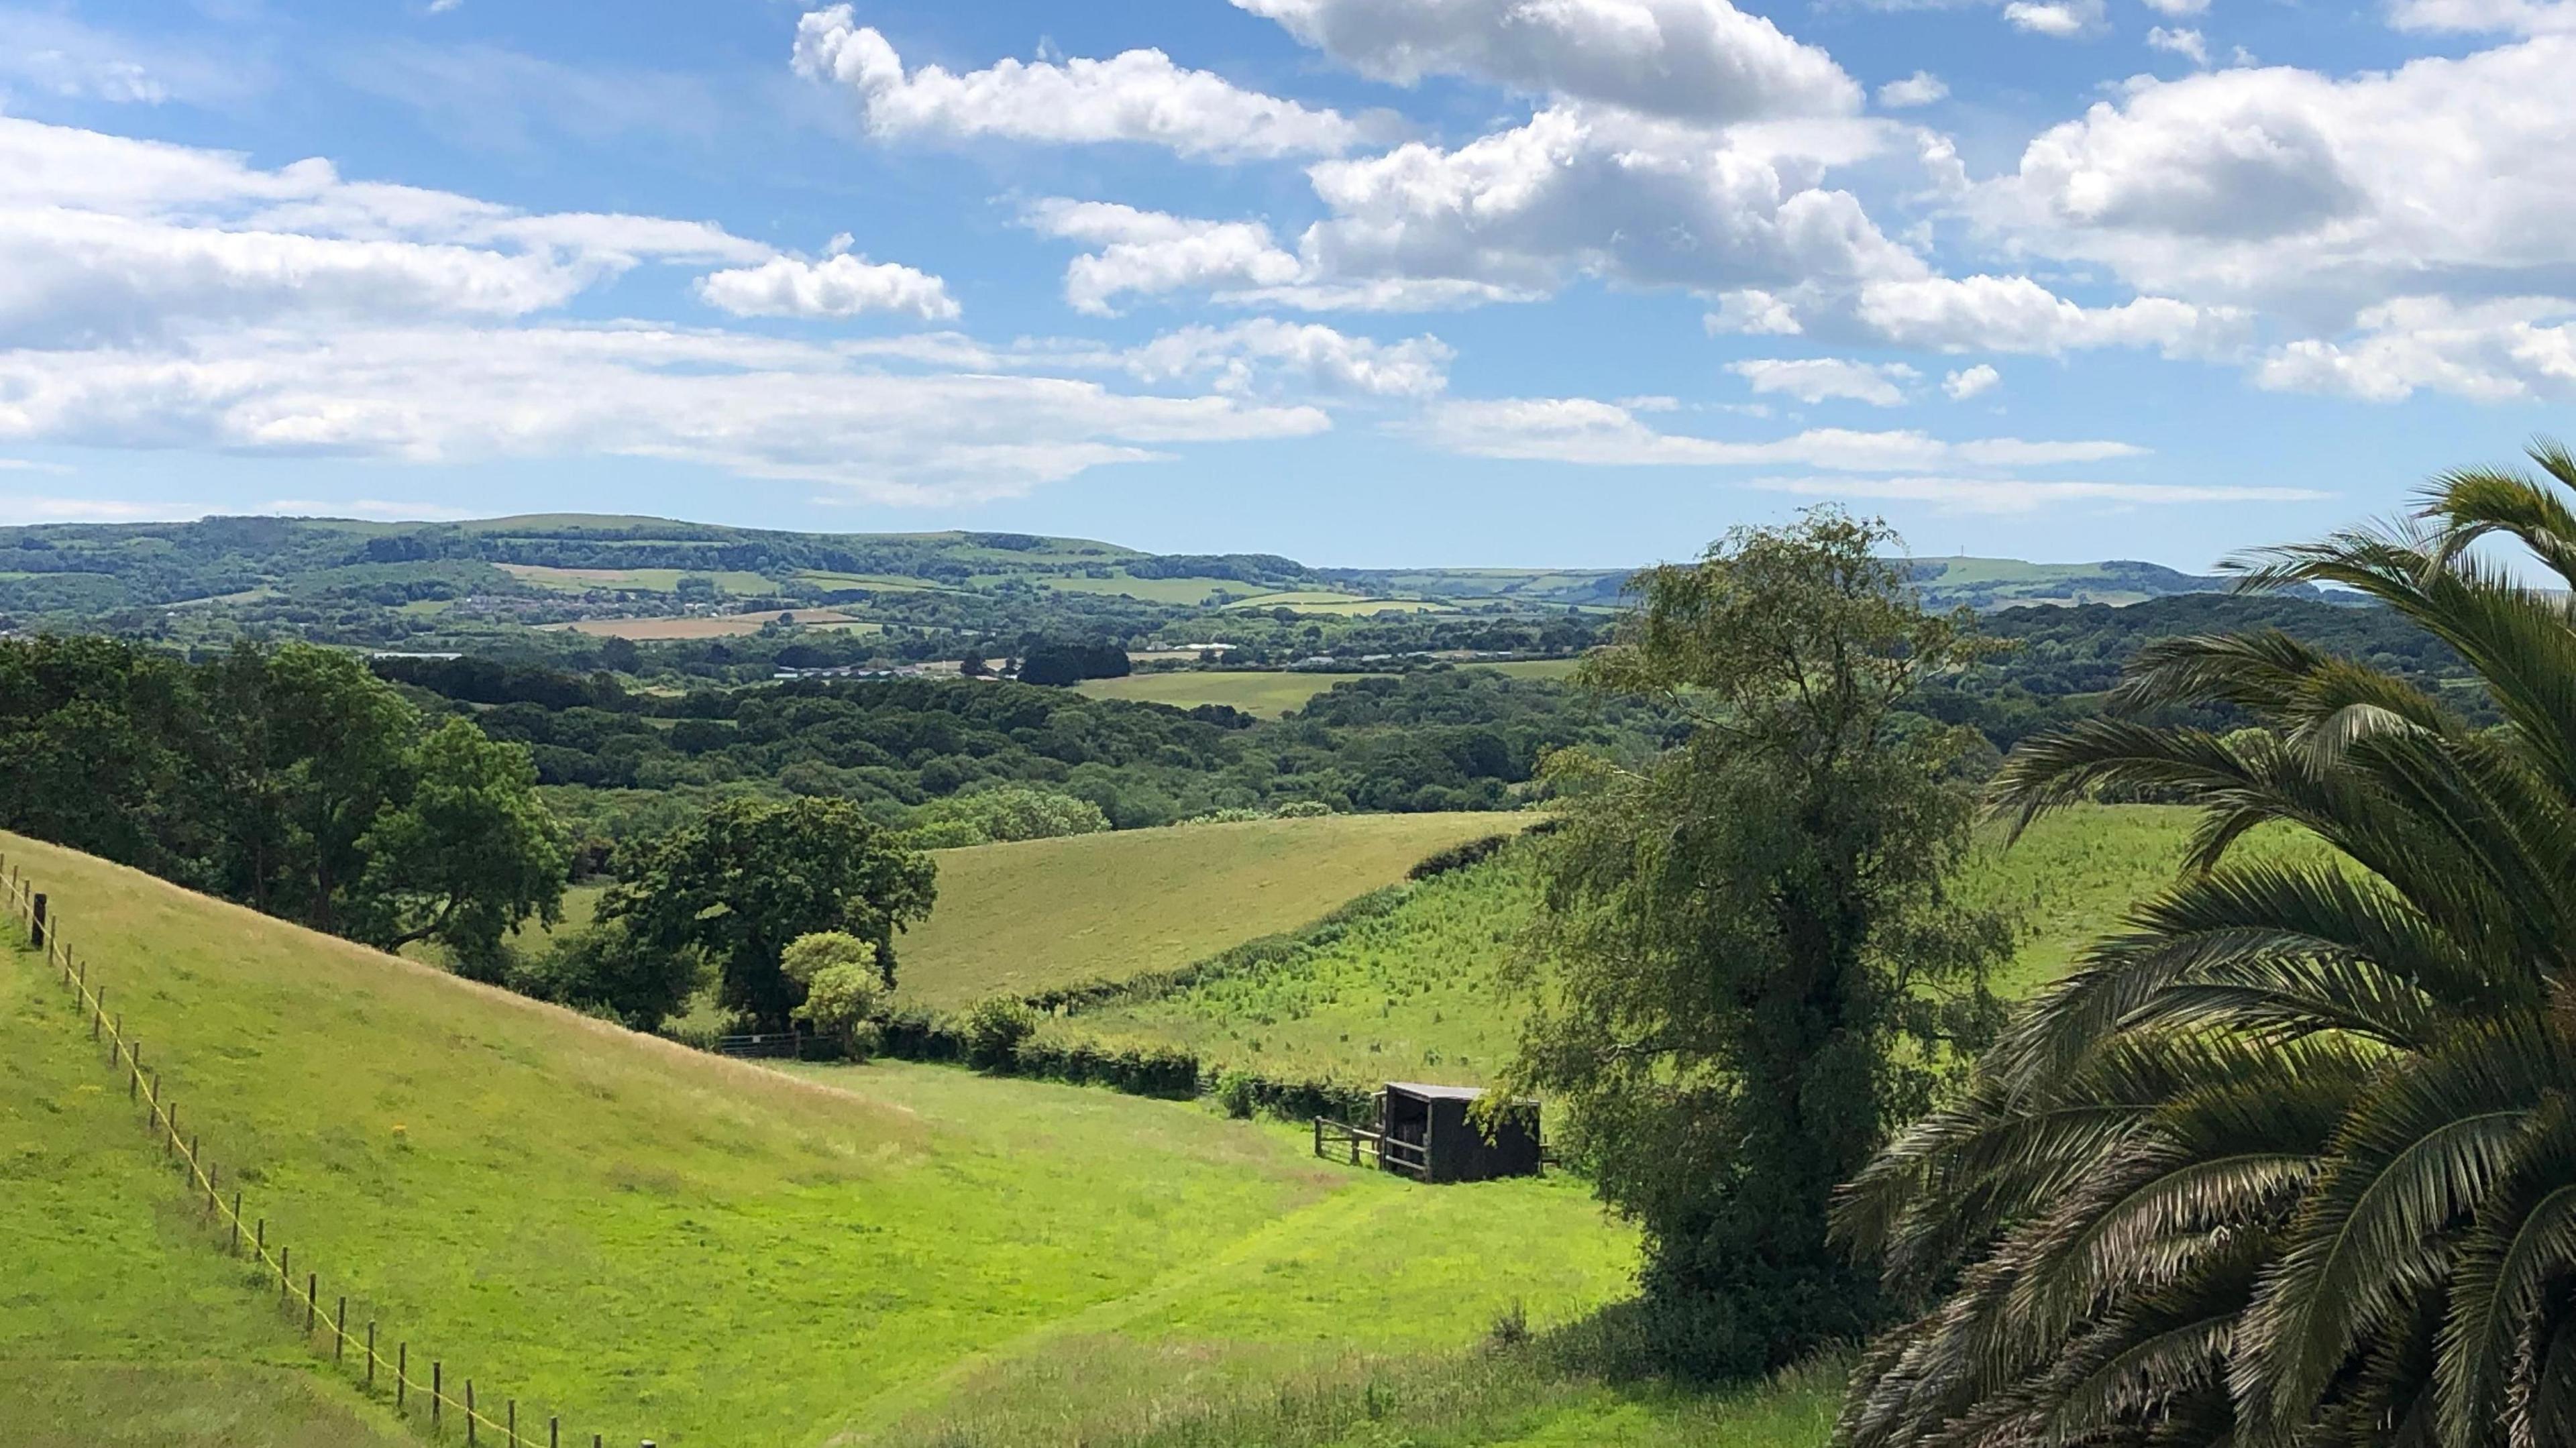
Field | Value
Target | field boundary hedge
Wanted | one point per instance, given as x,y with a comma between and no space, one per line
226,1220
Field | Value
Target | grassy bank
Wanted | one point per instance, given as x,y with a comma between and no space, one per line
665,1244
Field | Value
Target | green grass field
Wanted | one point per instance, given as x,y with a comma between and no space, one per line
659,1243
1531,668
1411,994
1049,914
631,580
118,1325
1418,991
1267,693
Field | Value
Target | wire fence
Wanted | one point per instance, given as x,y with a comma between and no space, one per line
358,1349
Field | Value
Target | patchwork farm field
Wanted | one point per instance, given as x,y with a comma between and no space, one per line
729,625
1265,693
653,1242
1269,693
632,580
1044,915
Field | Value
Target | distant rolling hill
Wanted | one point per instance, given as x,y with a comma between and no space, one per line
65,570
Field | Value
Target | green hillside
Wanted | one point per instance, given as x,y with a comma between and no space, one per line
1048,915
117,1325
654,1242
1416,990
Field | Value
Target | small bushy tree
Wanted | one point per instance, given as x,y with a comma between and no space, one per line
601,969
994,1030
1003,813
844,992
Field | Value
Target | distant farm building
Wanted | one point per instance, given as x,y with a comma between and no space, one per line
1426,1132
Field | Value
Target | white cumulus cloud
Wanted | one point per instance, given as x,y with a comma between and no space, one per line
1139,96
2022,495
1696,60
2056,18
750,406
1919,89
2314,196
2017,314
2510,349
1590,431
1238,359
2181,41
1150,252
837,286
1816,379
1579,191
1968,382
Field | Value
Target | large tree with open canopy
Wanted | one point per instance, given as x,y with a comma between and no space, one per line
2292,1157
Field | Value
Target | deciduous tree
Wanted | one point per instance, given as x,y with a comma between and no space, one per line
1749,963
750,876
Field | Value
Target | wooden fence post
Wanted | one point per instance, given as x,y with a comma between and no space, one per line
285,1283
340,1330
469,1413
371,1354
513,1418
36,930
554,1433
437,1389
312,1286
402,1374
235,1249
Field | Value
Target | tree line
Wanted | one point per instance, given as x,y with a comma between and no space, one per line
295,781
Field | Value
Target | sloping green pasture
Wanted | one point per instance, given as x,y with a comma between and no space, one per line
1045,915
653,1242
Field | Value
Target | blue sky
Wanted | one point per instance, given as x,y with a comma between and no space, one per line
1361,281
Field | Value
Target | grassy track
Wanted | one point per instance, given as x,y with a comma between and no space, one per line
1048,914
1267,693
658,1243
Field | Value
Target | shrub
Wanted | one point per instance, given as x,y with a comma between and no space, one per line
1237,1091
994,1030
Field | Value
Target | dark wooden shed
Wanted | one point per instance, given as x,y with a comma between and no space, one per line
1425,1132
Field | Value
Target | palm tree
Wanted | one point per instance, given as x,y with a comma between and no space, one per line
2291,1158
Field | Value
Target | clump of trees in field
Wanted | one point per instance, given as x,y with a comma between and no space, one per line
290,779
2292,1157
1756,967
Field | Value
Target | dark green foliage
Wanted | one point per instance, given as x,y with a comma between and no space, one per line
1400,742
748,877
995,1030
1458,857
2290,1158
468,854
289,779
1756,968
1058,664
600,969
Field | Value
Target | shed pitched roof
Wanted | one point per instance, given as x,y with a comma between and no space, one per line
1436,1093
